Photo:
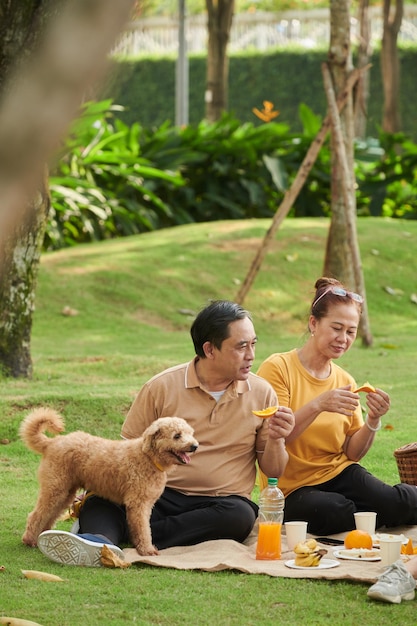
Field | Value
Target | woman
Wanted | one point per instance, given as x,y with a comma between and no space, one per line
323,481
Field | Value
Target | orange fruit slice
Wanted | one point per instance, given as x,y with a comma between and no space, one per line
408,549
358,539
367,387
264,413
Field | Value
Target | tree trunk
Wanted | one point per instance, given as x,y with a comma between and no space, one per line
364,53
23,220
390,66
19,262
339,261
51,51
220,16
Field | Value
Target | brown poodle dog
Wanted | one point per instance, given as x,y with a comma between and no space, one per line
130,472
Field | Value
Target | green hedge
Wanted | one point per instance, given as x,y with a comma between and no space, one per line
146,87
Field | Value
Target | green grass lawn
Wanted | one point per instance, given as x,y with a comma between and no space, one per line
135,299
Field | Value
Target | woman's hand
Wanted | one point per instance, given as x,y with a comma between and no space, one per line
357,446
378,403
281,423
340,400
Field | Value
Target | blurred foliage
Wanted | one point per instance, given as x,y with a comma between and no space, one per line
149,8
386,174
145,87
115,180
103,186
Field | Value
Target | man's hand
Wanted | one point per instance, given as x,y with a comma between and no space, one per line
281,423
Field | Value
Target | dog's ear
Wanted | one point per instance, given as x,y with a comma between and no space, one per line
149,437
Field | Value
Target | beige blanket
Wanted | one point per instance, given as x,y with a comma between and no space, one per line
213,556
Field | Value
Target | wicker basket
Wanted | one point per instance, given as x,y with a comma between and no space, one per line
406,458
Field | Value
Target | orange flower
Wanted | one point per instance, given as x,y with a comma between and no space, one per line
267,113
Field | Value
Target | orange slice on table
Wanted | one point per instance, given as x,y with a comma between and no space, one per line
367,387
408,548
264,413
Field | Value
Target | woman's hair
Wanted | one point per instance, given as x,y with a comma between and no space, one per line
212,324
326,297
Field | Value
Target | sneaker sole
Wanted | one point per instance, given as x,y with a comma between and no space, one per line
69,549
376,595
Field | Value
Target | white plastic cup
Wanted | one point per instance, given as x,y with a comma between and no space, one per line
390,550
295,532
365,520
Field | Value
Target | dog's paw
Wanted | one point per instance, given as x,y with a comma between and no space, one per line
148,551
29,540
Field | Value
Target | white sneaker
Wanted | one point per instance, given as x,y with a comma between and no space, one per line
69,549
394,585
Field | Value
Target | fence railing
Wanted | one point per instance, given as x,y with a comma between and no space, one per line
256,31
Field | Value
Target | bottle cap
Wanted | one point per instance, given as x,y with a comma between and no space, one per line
272,481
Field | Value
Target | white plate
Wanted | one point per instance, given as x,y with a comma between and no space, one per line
324,564
355,555
376,538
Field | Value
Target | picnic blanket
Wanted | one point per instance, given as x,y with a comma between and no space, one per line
223,554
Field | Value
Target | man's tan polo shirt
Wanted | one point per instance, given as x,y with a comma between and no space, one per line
228,433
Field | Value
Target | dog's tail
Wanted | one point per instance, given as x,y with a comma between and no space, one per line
33,427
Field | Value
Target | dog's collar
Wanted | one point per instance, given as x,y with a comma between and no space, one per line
158,466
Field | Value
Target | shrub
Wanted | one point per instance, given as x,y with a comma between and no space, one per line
114,180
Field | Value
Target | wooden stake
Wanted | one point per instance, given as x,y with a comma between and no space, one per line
347,184
297,184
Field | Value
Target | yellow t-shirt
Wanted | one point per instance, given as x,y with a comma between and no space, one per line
228,433
316,456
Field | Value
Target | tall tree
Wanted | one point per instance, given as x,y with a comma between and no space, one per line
340,261
390,64
220,16
364,54
23,216
51,51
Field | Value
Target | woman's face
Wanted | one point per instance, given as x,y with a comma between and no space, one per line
335,333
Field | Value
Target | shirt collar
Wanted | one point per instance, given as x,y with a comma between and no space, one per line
192,380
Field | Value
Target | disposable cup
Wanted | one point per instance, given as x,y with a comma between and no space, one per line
365,520
390,550
295,532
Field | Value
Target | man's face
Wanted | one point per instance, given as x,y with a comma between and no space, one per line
235,358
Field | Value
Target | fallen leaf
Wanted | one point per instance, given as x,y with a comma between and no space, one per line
388,427
291,257
393,292
186,312
16,621
32,573
109,559
69,312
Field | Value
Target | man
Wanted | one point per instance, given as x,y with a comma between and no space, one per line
211,497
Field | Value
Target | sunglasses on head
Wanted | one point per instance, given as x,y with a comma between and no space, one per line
339,291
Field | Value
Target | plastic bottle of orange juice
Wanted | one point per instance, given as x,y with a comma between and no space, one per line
270,517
